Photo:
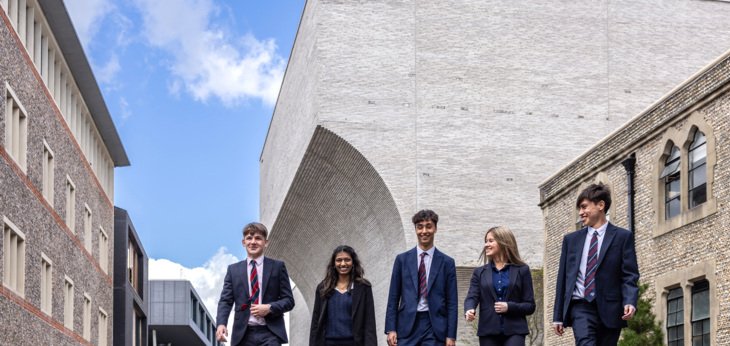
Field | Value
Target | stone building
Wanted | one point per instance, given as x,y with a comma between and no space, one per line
58,150
463,107
669,170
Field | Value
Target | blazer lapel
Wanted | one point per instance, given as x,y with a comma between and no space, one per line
488,282
607,239
513,269
356,294
412,267
436,263
243,269
267,273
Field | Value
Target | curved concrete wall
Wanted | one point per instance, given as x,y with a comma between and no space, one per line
336,198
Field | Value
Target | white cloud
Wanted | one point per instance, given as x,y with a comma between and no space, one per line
207,280
108,72
205,59
87,16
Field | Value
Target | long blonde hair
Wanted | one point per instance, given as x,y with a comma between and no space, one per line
507,245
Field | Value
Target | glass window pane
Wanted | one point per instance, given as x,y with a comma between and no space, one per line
674,293
670,168
696,328
700,305
706,339
672,208
697,341
697,176
672,188
698,156
698,196
697,140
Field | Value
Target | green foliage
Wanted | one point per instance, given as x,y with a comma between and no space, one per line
643,329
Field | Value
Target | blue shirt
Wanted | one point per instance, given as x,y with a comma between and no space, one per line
339,316
500,281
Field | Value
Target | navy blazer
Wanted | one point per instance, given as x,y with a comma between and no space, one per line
363,317
400,314
617,275
276,292
520,300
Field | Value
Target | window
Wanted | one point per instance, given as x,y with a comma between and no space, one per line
103,318
697,170
47,173
16,128
68,303
87,228
138,329
133,266
13,258
685,171
70,205
675,317
701,313
86,318
193,307
46,285
103,250
670,175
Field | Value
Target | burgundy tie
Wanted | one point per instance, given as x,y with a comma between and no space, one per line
254,279
422,283
591,266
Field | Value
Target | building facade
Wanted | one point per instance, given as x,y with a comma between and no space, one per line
58,150
669,170
178,315
131,284
462,107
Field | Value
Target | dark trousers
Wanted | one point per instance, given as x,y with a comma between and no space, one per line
422,334
502,340
587,327
340,342
259,336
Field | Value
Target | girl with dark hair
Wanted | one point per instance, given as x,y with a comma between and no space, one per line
502,290
344,312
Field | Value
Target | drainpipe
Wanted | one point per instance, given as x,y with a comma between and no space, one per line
629,165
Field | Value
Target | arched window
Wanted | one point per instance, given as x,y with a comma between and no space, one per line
672,189
697,170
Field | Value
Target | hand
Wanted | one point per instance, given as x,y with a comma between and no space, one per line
392,338
221,333
450,342
260,310
558,328
470,315
500,307
629,311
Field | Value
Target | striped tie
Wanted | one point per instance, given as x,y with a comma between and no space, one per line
422,283
591,266
254,279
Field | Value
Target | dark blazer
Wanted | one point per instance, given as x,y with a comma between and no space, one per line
276,292
616,277
363,317
443,305
520,300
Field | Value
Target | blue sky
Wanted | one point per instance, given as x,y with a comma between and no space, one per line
191,86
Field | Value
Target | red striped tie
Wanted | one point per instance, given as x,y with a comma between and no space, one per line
422,283
591,266
254,279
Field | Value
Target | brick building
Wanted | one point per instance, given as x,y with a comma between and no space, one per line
675,158
58,150
463,107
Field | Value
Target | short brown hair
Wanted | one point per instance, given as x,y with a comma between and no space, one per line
595,193
255,228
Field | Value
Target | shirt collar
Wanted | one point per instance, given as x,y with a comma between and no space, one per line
430,251
259,260
601,230
494,267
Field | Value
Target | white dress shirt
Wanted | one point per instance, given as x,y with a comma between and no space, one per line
253,320
422,301
579,291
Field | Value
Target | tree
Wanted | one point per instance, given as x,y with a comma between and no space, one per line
643,329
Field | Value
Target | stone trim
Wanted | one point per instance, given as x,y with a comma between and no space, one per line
682,138
685,278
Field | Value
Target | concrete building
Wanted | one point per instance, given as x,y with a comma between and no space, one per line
58,150
669,171
463,107
178,316
131,285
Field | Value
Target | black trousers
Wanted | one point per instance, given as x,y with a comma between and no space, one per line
259,336
587,327
502,340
